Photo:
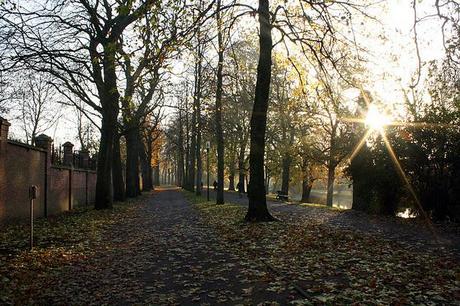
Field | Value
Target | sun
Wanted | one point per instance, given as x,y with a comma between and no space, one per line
375,119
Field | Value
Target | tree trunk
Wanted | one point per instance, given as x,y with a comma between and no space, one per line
231,184
219,132
187,147
156,175
145,155
197,102
180,153
192,155
241,168
330,185
241,178
110,98
306,190
118,180
285,175
199,162
132,162
267,182
104,188
257,209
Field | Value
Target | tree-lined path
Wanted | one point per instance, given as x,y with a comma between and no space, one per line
189,264
172,248
158,252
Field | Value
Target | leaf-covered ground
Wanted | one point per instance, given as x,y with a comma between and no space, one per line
334,265
412,232
165,250
156,250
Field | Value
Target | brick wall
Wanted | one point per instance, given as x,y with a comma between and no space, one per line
60,187
24,166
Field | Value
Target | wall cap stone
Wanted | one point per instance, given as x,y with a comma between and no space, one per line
3,121
43,137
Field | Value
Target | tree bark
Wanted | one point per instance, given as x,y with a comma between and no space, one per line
306,190
197,102
145,156
118,180
187,146
218,114
330,185
286,173
104,188
156,175
110,108
192,154
199,162
132,162
257,209
231,184
241,166
180,153
241,178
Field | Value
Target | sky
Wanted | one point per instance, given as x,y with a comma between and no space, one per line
393,60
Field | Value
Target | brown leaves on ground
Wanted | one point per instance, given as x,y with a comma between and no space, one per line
338,266
60,242
161,251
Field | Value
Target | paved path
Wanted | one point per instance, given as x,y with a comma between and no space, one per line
408,231
164,254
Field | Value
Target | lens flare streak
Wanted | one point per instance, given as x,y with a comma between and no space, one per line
376,122
404,177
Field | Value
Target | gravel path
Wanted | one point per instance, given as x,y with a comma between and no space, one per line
191,265
160,250
410,232
163,254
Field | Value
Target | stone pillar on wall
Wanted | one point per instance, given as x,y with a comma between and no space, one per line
45,142
68,153
84,159
4,126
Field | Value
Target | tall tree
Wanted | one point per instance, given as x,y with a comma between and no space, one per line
197,109
218,107
78,47
257,209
